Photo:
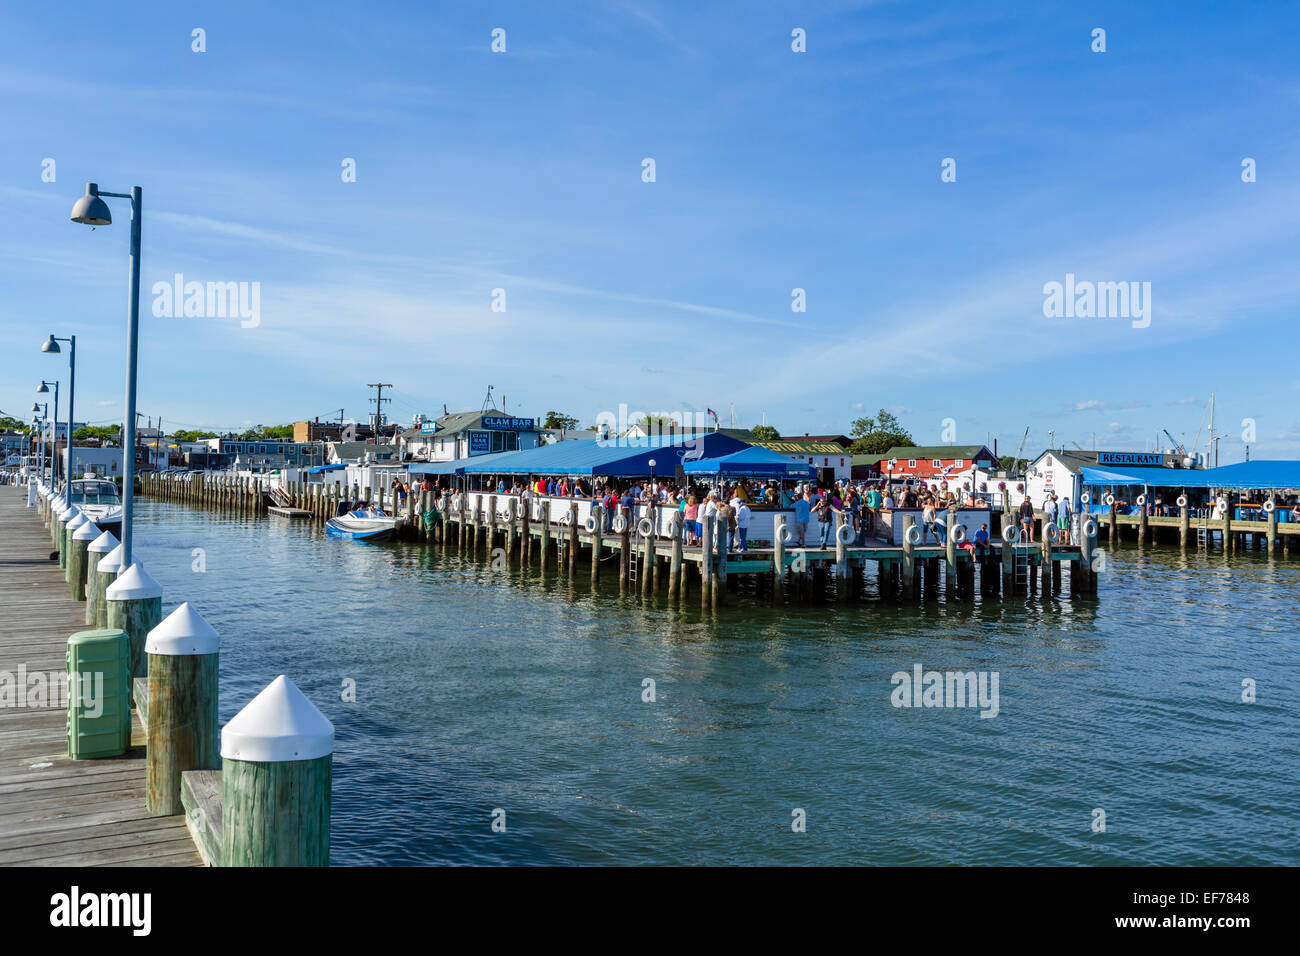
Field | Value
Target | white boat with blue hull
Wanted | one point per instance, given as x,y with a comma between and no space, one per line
363,524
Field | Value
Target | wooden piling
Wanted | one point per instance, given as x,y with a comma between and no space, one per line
276,770
675,560
134,604
182,655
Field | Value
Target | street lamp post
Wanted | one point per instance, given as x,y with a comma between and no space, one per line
91,210
51,345
43,408
44,389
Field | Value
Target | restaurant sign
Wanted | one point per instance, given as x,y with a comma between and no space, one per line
504,423
1130,458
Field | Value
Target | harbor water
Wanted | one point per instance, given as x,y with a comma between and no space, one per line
482,688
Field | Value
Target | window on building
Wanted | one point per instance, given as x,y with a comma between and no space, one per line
937,463
960,462
911,463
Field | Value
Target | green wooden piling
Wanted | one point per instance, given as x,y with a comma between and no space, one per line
135,605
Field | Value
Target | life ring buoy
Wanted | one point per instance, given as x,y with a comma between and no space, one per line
959,533
844,533
1269,505
1109,499
787,536
913,534
645,527
620,524
1090,529
566,519
1141,499
1052,533
1182,501
1010,534
590,524
1085,498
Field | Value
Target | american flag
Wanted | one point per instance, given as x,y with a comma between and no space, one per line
713,413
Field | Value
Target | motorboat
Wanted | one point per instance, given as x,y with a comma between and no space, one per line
363,524
98,499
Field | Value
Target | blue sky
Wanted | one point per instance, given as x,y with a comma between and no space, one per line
774,170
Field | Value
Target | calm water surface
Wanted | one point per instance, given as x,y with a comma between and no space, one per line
478,689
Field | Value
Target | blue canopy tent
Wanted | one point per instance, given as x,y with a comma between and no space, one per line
752,462
321,469
455,466
614,457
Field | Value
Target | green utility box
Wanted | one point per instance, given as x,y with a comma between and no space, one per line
99,693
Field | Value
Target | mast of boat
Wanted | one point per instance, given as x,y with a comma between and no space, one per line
1212,449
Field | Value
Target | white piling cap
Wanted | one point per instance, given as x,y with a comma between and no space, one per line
65,513
276,726
77,521
182,633
111,561
87,532
133,584
105,543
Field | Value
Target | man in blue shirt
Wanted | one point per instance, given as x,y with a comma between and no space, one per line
982,549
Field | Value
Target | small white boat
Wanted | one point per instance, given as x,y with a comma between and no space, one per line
99,500
363,524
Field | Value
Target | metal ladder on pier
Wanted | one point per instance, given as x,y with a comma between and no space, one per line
1202,530
1020,568
633,543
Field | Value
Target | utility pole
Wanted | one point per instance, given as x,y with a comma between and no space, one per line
379,404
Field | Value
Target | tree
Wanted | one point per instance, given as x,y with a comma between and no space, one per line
875,435
191,435
559,420
765,433
104,433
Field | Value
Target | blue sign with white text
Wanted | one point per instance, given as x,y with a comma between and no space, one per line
479,442
503,423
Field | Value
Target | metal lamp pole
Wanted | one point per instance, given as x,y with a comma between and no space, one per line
44,389
91,210
51,345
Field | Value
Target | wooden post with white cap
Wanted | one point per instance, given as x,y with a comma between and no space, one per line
135,605
75,524
61,520
276,766
77,557
95,552
182,655
106,571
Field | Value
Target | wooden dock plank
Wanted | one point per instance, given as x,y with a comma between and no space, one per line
55,811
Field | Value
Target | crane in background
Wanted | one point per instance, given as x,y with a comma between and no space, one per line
1178,446
1021,448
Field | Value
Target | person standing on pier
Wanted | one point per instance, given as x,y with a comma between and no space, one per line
927,520
1027,519
802,515
741,518
1064,518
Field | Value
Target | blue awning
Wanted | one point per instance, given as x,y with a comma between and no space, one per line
320,469
456,466
614,457
1246,475
752,462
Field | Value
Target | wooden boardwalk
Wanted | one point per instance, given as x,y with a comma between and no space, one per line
55,811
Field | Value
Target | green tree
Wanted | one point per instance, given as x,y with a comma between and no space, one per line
104,433
560,420
876,434
191,435
765,433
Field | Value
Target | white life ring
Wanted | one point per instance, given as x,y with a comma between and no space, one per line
1010,534
566,518
1085,498
620,524
913,534
1269,505
958,533
1182,501
844,533
1090,529
1109,499
645,527
590,524
1051,532
787,536
1141,499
